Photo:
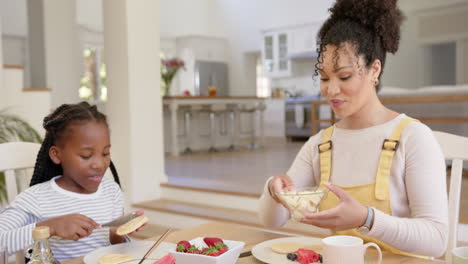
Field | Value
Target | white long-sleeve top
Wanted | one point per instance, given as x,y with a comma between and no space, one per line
46,200
419,220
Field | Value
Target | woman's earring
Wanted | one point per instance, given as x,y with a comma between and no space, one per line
376,82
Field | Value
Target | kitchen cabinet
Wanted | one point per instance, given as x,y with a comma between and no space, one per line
281,45
303,40
275,54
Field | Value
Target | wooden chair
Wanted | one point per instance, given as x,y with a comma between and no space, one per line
17,160
455,148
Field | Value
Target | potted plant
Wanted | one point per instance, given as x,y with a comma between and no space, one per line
14,128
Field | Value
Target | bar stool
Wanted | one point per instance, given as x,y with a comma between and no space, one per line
189,114
216,110
261,108
250,110
233,112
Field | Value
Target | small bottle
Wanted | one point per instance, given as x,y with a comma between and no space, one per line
42,254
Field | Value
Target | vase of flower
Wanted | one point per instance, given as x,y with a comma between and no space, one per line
169,68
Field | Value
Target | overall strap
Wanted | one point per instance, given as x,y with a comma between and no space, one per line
325,152
389,147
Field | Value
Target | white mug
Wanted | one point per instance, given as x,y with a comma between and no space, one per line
346,249
460,255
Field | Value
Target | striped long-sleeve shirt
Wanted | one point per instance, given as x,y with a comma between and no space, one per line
47,200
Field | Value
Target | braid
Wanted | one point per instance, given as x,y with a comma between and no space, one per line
45,169
55,125
114,173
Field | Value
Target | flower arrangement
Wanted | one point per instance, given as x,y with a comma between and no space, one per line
169,68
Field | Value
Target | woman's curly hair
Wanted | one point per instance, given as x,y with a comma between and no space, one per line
371,26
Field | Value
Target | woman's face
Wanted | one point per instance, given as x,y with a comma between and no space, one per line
346,82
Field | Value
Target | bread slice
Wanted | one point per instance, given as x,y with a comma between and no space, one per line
132,225
286,247
114,258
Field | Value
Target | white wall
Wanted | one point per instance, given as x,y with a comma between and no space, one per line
244,21
14,17
89,14
188,17
31,106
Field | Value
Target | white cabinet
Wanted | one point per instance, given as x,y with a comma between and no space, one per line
275,50
303,39
281,45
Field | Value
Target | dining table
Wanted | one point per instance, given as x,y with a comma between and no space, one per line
253,236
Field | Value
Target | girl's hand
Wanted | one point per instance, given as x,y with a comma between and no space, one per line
116,239
280,183
71,226
347,214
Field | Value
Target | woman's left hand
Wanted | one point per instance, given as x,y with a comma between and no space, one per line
347,214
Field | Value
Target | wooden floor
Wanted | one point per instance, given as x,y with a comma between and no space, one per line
247,170
240,171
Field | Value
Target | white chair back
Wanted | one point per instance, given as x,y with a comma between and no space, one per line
17,160
455,148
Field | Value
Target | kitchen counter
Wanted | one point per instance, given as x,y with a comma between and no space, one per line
173,104
209,97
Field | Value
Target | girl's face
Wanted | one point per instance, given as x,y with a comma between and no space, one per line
84,153
345,81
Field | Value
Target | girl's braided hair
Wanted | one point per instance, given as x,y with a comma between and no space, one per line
371,26
55,125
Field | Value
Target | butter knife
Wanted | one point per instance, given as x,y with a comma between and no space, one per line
120,220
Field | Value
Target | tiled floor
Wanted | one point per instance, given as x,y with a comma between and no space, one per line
246,170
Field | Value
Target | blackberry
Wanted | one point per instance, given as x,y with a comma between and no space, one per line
291,256
320,258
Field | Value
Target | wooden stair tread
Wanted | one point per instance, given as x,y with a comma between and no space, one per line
209,190
220,214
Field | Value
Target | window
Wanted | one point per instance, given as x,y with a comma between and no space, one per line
93,83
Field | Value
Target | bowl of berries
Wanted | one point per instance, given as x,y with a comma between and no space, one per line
302,200
207,250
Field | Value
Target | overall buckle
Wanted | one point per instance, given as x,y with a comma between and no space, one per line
326,146
390,144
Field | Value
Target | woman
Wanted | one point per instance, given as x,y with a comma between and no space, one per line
385,171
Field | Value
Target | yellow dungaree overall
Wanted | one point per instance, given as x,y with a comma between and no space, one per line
375,194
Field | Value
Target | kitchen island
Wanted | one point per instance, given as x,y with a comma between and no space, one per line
175,118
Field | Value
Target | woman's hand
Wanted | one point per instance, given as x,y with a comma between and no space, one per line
116,239
347,214
71,226
280,183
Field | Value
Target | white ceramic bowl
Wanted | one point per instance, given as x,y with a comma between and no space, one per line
302,200
228,257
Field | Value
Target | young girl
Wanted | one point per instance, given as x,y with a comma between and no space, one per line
387,170
68,192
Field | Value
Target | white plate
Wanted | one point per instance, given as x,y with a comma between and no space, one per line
136,249
263,252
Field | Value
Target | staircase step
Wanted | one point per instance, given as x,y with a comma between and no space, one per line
221,214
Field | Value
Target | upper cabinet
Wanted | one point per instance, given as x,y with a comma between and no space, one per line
275,50
303,43
280,46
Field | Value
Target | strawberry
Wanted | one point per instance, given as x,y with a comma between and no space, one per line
306,256
193,249
211,251
220,245
211,241
183,246
222,250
